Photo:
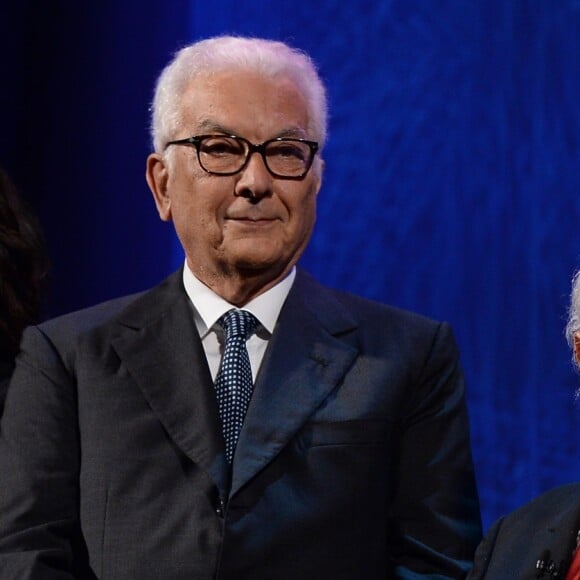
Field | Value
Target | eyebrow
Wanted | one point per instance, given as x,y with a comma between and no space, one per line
213,126
210,126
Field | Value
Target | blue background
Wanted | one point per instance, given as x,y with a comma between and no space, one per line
451,188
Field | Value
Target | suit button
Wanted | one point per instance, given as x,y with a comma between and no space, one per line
220,509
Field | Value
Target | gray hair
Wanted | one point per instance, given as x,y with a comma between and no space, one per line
573,324
267,57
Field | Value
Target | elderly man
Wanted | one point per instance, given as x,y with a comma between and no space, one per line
239,420
542,538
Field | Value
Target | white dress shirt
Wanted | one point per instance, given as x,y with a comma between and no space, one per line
208,307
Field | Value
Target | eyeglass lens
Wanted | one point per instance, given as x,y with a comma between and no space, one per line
222,154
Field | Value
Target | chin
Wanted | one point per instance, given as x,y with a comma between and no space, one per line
260,264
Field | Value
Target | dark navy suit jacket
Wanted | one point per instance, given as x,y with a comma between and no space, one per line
544,529
354,460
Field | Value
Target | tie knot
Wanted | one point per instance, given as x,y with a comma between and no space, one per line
238,323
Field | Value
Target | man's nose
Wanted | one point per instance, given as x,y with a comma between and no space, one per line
255,181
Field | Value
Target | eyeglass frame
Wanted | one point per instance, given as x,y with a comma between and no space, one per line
252,148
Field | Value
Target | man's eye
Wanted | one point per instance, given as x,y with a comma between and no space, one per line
218,147
289,151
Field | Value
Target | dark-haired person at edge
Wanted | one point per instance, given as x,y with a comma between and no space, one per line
541,539
240,420
23,271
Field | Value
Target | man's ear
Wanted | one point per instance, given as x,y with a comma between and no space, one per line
577,347
156,175
320,172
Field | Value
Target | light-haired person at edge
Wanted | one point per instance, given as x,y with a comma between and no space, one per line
540,539
128,448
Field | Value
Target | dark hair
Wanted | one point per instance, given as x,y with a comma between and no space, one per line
23,266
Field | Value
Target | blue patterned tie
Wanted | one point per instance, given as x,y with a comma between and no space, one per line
233,383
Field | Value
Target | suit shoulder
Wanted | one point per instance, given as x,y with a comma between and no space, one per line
379,325
547,524
558,507
80,321
381,320
550,504
69,327
370,307
361,308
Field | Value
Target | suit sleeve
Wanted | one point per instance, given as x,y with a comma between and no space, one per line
39,463
435,514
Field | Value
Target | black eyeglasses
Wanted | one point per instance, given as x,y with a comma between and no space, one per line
229,154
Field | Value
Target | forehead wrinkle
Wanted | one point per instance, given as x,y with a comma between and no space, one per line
209,126
292,133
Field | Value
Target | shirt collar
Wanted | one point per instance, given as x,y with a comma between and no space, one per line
209,307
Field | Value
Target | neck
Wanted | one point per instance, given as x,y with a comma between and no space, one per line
240,287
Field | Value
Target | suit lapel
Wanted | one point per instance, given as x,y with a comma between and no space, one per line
163,353
303,364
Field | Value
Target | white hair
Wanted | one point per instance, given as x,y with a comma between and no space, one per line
266,57
573,324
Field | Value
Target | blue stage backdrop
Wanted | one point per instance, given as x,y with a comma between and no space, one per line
451,183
